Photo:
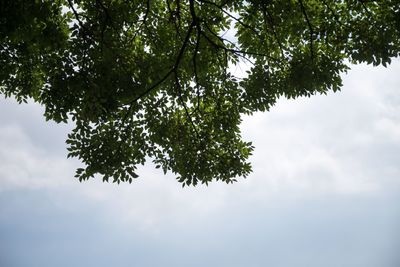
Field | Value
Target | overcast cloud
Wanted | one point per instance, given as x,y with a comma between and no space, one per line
325,191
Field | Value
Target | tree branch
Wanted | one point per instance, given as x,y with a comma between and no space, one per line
310,27
172,70
76,14
238,51
179,88
268,16
333,12
196,77
231,16
173,16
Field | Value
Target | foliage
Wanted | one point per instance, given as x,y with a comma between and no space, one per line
151,79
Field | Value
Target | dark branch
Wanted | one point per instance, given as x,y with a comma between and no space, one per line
238,51
179,88
173,15
310,27
231,16
144,21
105,10
196,77
268,17
172,70
77,17
333,12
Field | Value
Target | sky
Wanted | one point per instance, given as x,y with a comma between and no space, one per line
325,191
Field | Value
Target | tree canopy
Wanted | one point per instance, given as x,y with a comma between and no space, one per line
152,80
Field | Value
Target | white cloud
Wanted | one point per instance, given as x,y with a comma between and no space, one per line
24,165
326,144
343,143
326,182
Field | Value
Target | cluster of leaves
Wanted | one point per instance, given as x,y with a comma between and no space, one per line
150,79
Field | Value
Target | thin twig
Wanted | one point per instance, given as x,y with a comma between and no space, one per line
196,77
178,86
310,27
172,70
237,51
231,16
271,22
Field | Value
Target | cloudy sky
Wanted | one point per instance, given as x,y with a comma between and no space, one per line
325,191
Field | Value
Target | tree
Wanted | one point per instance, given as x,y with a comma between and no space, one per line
151,80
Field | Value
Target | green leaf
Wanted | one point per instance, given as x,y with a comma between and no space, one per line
154,82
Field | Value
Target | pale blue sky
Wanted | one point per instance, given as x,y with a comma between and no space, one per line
325,191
